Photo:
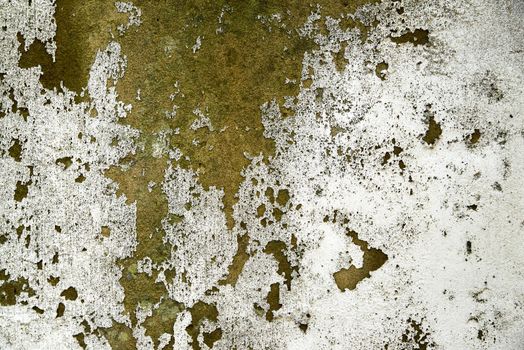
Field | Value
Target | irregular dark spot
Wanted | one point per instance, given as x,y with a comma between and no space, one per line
80,338
212,337
468,247
373,259
38,310
278,250
474,137
60,310
385,158
15,151
53,280
282,197
415,337
199,312
58,229
273,299
472,207
105,231
239,260
381,70
21,190
480,335
69,294
65,161
81,178
11,289
416,37
433,132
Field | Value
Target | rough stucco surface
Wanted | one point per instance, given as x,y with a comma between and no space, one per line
388,216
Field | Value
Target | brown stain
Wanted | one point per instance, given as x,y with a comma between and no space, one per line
105,231
60,310
373,259
474,137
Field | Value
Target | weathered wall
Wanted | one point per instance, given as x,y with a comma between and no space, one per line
261,174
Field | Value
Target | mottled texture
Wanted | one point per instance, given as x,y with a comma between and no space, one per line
261,174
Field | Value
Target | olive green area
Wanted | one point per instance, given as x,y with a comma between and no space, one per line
199,312
239,260
119,336
381,70
163,320
15,151
11,289
416,37
278,250
415,337
243,61
474,137
21,190
69,294
373,259
273,299
433,131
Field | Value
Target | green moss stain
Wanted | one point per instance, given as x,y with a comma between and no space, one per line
373,259
120,337
199,312
241,64
162,320
82,27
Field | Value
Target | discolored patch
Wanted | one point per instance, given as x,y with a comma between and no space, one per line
373,259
